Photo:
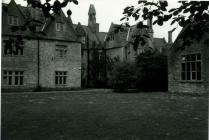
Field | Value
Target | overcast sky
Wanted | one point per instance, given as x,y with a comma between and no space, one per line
108,11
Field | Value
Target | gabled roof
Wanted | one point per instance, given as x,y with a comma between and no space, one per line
11,9
68,34
101,36
129,32
159,42
120,37
80,30
27,12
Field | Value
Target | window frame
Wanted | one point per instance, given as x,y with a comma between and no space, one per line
189,67
59,26
10,77
61,51
20,53
12,20
61,78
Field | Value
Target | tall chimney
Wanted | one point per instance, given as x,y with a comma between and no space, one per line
149,23
170,41
150,30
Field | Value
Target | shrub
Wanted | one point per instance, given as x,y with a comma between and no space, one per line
123,76
152,71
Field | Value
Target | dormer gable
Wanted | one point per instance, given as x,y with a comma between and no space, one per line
14,15
59,27
80,30
11,16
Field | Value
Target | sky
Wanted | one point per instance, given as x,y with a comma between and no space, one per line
108,11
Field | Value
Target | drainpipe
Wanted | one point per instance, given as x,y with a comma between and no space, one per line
87,61
105,64
38,82
170,41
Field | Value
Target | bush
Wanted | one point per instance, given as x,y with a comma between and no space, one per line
123,76
152,71
148,73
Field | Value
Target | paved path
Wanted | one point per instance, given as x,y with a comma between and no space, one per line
51,92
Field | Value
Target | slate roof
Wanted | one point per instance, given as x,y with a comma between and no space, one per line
129,32
101,36
68,34
120,37
83,30
159,42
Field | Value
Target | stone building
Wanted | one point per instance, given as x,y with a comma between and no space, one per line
45,61
120,45
93,51
188,67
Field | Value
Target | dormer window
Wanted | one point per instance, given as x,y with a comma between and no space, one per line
13,20
59,26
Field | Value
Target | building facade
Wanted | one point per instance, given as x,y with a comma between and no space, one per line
93,51
188,67
50,61
120,45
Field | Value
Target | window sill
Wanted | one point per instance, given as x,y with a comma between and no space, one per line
191,81
60,85
13,56
14,86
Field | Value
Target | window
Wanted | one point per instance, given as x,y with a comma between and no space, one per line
112,37
13,48
13,78
60,77
59,26
12,20
100,55
61,51
191,67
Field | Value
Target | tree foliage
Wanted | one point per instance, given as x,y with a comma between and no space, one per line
148,73
152,72
193,14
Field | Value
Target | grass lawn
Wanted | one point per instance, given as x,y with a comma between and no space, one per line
103,116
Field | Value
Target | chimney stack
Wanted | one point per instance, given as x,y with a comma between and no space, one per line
170,41
150,30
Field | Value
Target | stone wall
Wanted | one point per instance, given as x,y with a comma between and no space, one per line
26,63
175,83
49,64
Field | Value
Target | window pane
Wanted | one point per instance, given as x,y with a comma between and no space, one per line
198,56
193,75
198,66
16,80
60,80
64,80
193,57
193,66
183,65
188,67
188,76
10,80
21,80
198,75
188,58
